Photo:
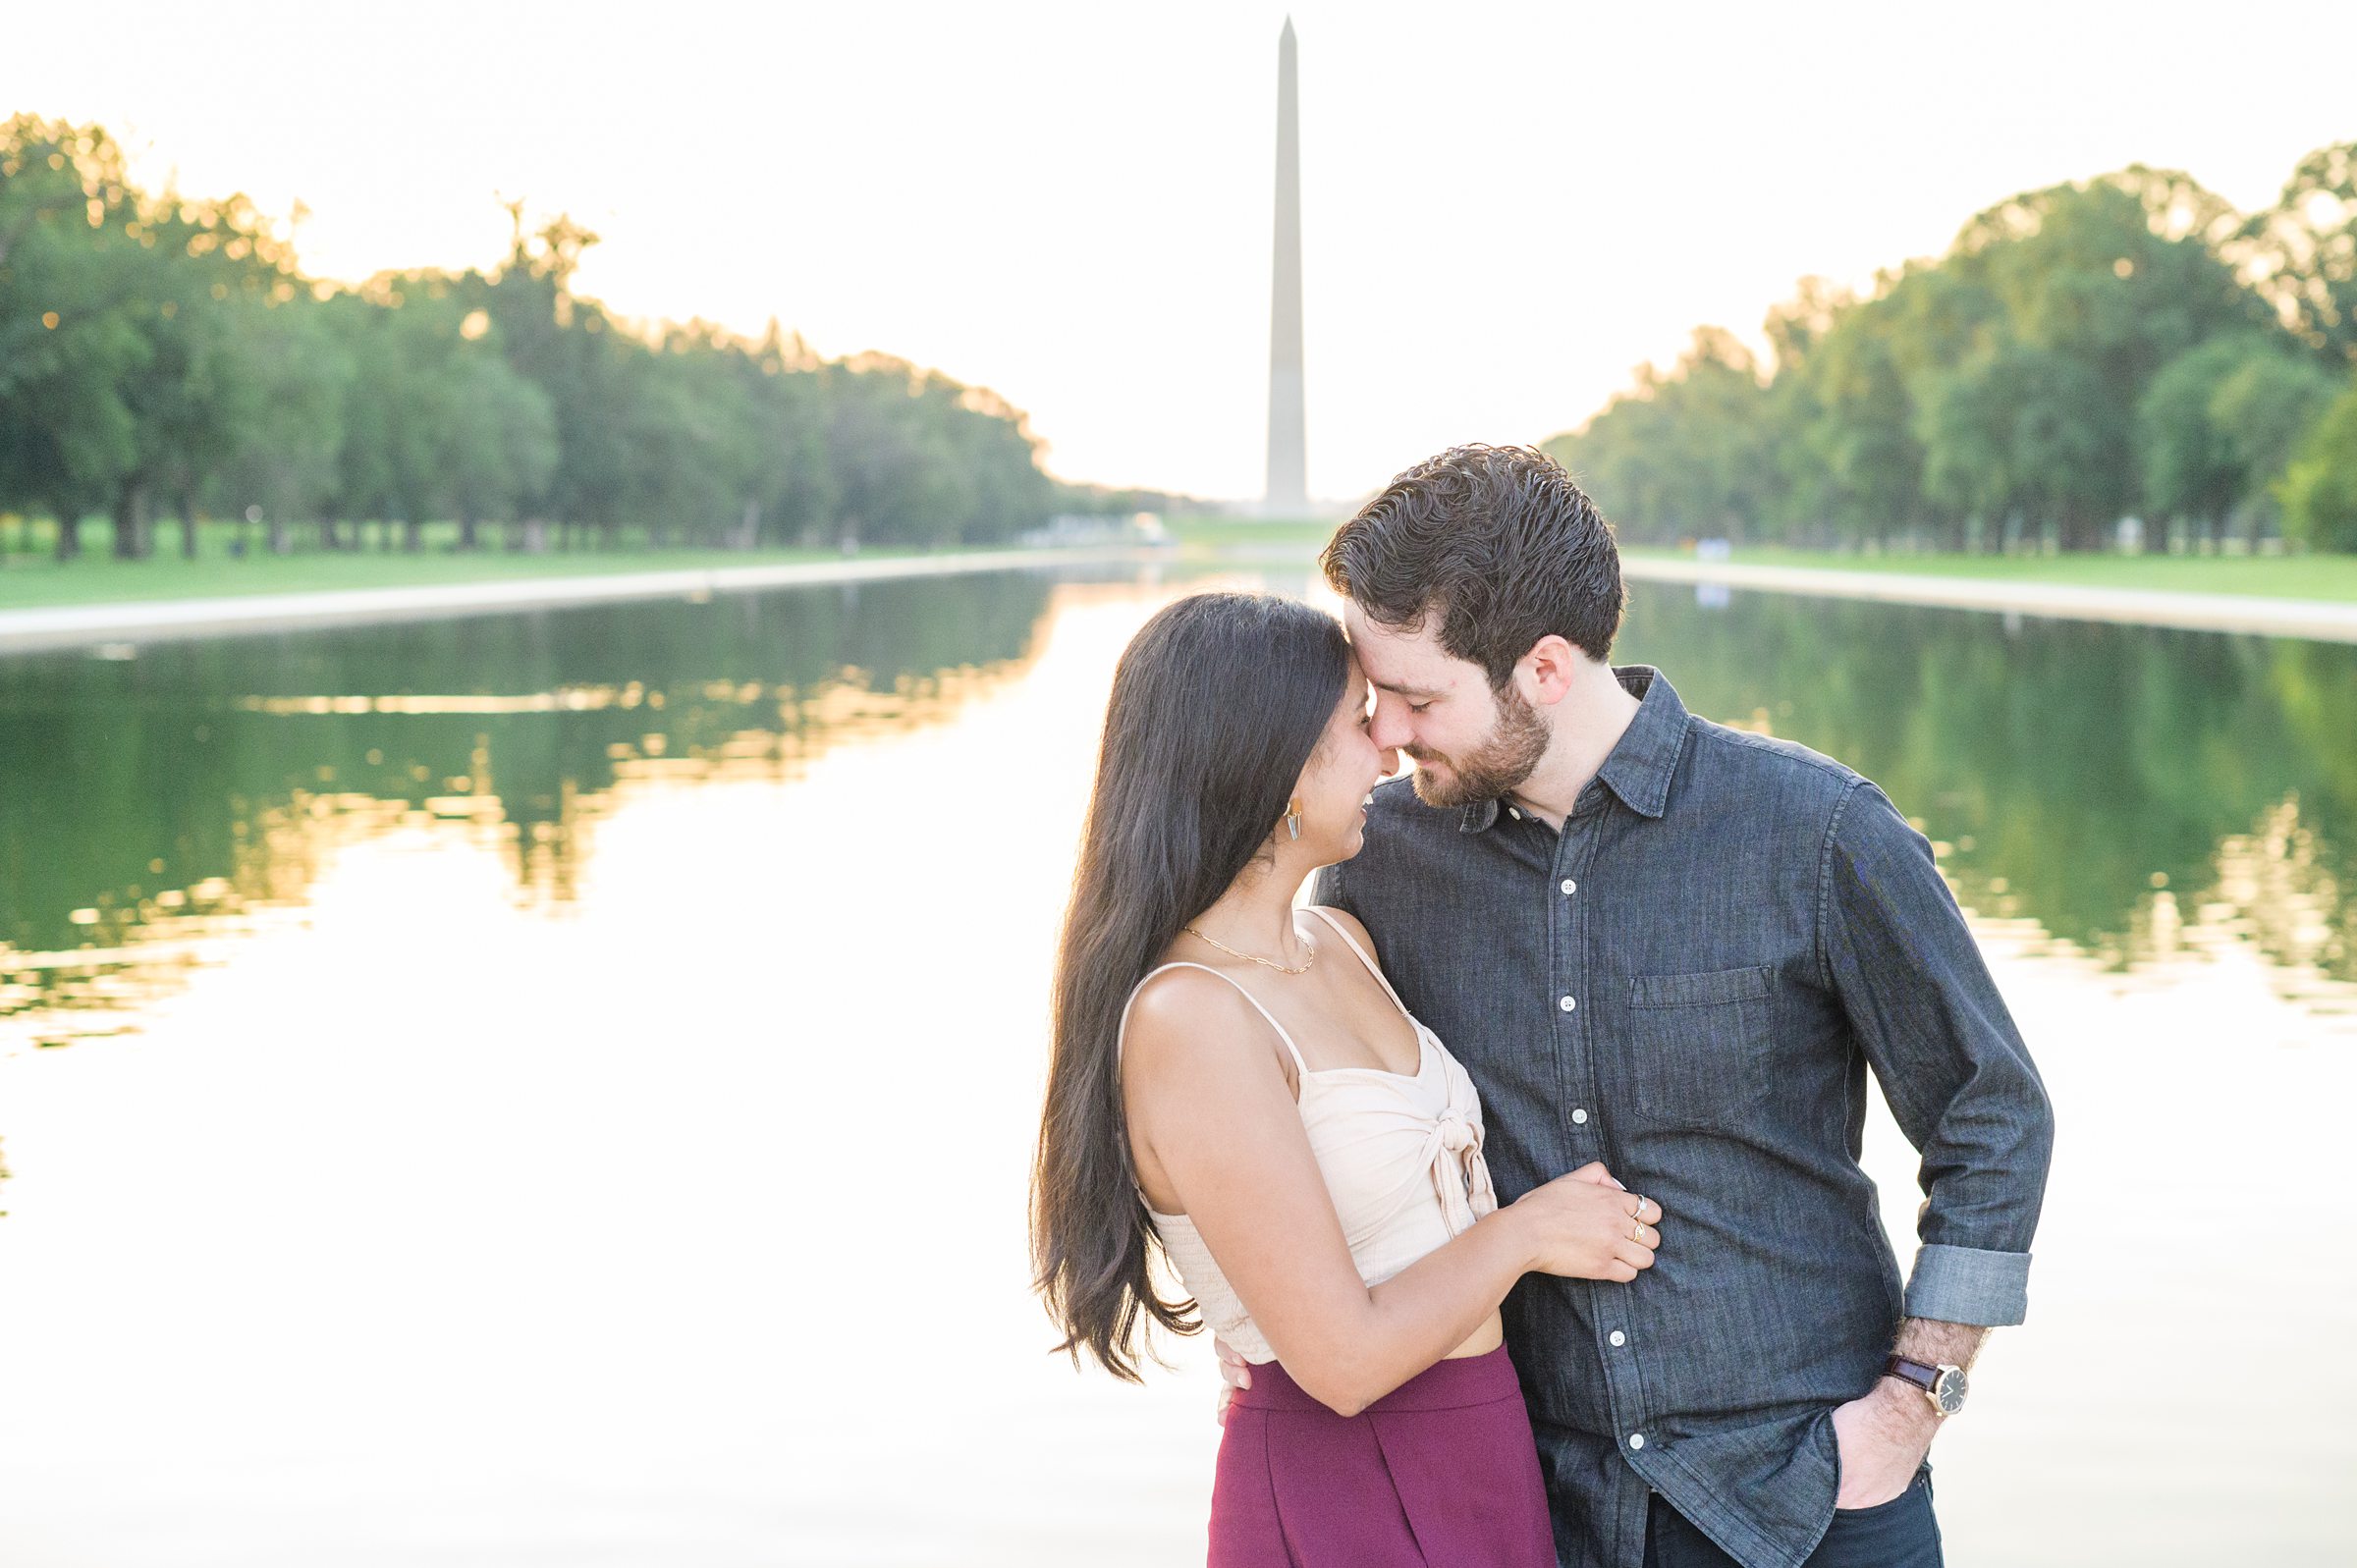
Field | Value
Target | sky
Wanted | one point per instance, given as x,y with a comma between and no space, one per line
1507,208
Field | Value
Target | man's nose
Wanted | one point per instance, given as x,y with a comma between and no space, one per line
1390,730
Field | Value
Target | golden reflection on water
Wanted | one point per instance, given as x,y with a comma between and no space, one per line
139,944
2269,897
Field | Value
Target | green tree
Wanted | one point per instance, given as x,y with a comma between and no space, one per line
693,449
500,443
69,336
788,387
1686,453
566,347
2096,287
2303,251
892,463
2219,425
286,464
2319,492
1850,455
2020,434
204,267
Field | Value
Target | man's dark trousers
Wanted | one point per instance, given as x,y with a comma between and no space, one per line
1899,1534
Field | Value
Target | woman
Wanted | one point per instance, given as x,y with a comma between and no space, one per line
1235,1083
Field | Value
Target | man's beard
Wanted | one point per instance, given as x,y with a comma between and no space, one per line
1506,756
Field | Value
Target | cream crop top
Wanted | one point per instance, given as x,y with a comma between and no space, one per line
1401,1154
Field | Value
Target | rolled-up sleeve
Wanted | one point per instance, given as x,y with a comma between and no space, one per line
1951,1064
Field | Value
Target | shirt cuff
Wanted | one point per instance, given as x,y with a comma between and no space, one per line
1966,1286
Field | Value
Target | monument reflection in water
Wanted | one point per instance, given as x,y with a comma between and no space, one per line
570,1076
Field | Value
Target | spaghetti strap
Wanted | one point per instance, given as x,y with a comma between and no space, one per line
1363,958
1122,1037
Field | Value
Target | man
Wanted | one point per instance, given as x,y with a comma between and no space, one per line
1677,948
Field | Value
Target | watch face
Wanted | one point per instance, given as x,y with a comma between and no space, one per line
1949,1391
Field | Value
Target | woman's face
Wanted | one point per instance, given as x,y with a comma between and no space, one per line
1345,769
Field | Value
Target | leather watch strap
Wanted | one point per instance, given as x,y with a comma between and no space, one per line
1922,1377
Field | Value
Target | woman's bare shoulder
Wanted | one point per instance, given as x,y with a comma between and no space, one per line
1186,1019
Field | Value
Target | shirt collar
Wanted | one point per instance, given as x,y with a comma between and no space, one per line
1644,760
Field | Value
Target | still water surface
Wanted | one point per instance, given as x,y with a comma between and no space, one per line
557,1088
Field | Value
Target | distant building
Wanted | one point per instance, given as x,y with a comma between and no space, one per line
1070,530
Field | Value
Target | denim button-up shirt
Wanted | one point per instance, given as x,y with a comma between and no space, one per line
1689,983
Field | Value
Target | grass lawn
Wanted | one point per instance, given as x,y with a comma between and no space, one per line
1209,533
2327,577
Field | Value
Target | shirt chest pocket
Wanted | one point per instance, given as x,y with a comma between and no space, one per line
1699,1047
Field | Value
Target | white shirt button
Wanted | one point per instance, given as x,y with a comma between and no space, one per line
1568,1004
1618,1338
1579,1118
1570,887
1636,1440
1514,812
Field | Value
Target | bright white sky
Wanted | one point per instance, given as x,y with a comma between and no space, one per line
1507,207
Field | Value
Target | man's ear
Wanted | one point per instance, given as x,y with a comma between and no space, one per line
1554,665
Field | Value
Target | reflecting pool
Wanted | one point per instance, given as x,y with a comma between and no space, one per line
558,1088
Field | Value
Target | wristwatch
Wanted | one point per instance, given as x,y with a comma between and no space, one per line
1944,1385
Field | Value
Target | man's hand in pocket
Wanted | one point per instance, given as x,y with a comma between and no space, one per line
1882,1438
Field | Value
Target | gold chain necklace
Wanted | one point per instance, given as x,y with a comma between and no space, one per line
1265,963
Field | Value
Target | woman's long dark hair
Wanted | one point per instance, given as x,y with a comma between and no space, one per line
1217,704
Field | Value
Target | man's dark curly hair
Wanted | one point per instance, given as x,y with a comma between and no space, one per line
1495,546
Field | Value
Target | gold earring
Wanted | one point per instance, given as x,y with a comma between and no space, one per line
1292,817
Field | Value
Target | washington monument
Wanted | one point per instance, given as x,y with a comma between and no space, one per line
1288,462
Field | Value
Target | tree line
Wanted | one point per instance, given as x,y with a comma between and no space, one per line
2130,345
163,358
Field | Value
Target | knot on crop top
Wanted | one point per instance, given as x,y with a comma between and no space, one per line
1465,1201
1401,1154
